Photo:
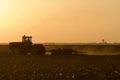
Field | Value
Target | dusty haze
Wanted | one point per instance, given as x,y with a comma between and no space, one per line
60,20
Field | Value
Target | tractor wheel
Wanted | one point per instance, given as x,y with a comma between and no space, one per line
38,49
16,51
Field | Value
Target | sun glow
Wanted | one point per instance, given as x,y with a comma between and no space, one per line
3,6
4,11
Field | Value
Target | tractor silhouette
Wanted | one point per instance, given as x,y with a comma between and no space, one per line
26,47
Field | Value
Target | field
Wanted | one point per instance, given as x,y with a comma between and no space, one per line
62,67
58,67
91,49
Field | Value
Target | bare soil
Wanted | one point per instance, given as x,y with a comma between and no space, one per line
59,67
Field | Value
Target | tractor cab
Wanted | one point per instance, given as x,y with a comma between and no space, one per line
27,39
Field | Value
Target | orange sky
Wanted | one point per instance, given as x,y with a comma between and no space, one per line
60,20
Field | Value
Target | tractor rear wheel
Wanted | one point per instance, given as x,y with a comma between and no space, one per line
16,51
38,49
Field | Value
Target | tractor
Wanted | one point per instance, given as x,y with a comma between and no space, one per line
27,47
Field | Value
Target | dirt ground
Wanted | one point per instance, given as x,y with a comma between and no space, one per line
62,67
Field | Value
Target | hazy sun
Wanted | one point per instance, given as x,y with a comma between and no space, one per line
3,5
